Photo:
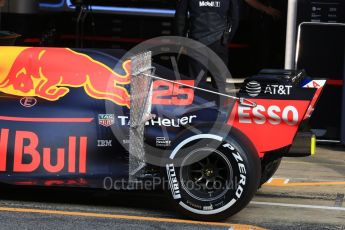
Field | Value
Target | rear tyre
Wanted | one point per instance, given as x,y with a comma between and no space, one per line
211,179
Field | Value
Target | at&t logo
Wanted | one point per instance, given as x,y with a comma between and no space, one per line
253,88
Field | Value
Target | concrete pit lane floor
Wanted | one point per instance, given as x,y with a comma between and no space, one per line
305,193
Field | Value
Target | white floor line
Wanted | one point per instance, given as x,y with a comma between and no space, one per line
299,206
230,80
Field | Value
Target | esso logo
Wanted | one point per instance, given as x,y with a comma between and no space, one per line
274,115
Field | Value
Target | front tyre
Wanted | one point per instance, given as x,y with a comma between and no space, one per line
211,179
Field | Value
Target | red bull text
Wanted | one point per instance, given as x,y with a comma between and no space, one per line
26,145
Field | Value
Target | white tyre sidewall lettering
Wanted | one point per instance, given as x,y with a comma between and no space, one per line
232,201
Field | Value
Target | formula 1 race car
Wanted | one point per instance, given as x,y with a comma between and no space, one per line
84,118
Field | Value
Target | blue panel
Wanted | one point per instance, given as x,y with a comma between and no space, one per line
127,9
52,5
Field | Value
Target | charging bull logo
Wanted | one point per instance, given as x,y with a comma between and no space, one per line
48,73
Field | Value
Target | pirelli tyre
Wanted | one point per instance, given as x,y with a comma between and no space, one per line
211,179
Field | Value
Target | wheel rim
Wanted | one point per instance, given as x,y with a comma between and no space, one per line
206,174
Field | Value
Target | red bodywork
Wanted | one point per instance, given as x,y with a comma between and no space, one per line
273,123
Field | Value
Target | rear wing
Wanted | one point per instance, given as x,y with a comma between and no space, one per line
284,99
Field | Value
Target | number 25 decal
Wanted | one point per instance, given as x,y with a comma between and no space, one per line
167,93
